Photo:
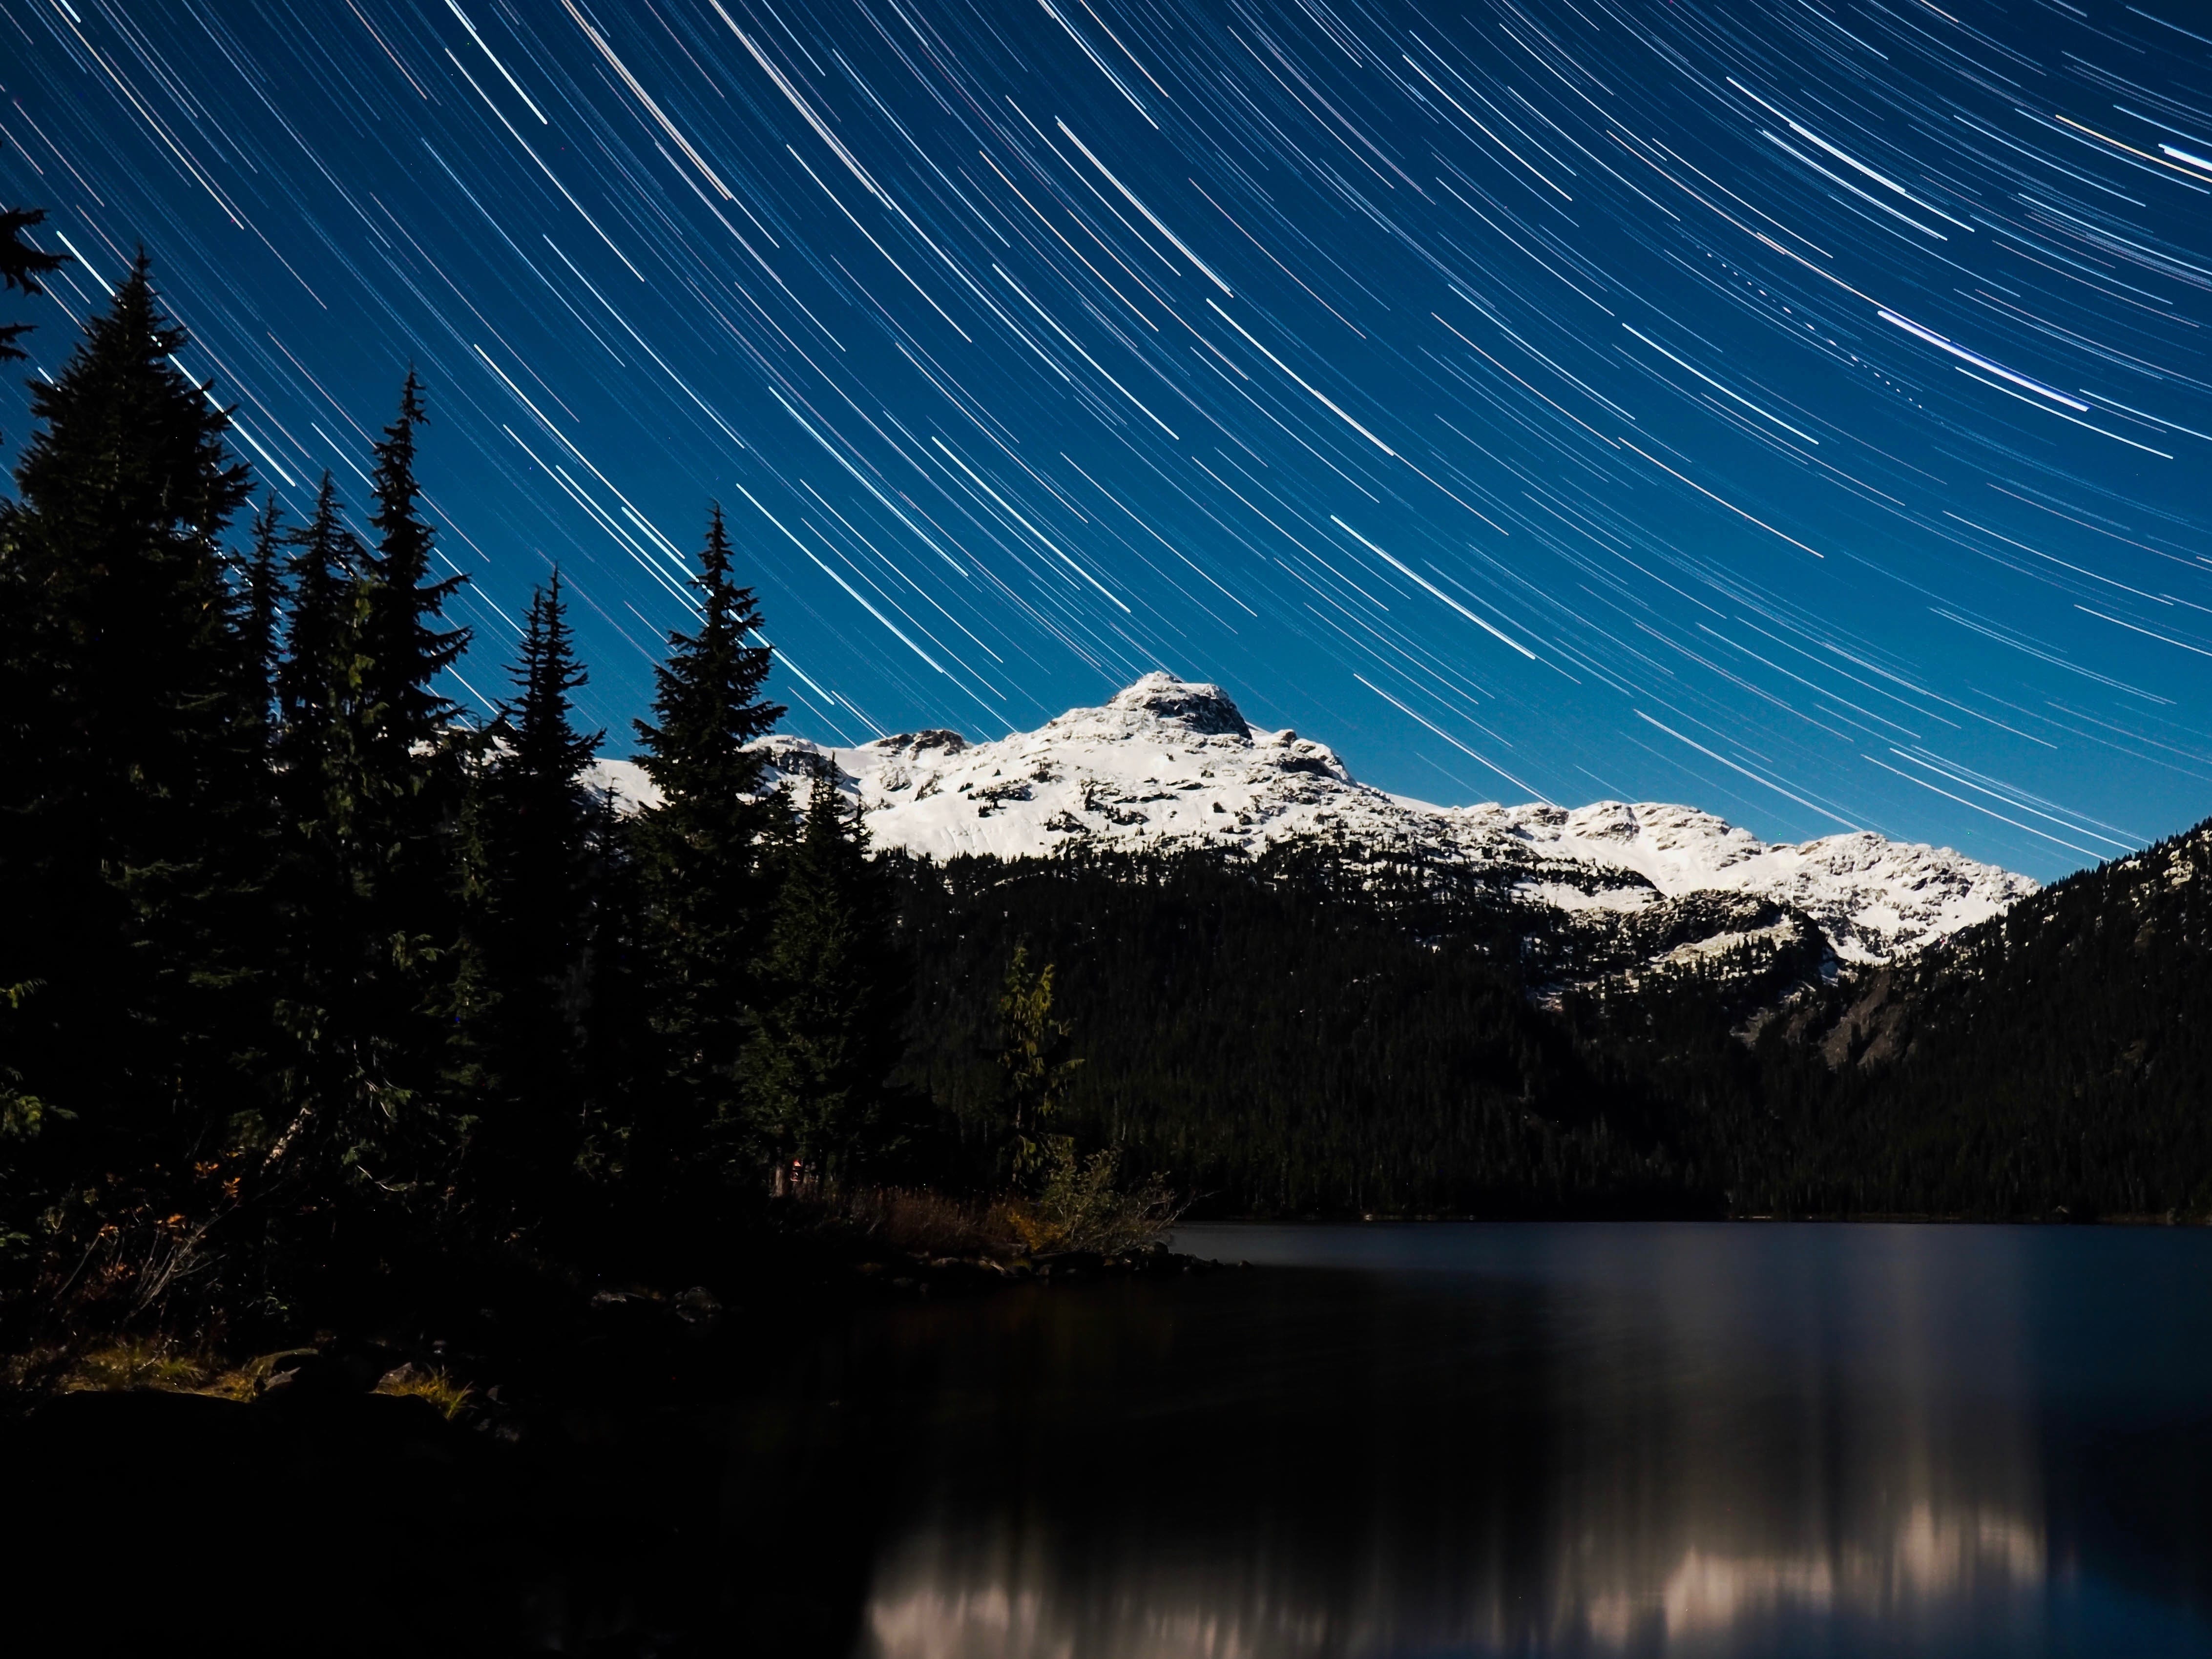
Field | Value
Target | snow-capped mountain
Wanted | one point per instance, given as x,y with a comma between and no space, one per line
1168,763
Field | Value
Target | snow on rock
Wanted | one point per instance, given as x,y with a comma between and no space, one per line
1873,896
622,781
1170,764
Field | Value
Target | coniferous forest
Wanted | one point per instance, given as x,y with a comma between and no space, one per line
1324,1032
308,973
315,979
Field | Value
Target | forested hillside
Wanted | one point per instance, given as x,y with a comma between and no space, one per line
1323,1033
2057,1057
1302,1034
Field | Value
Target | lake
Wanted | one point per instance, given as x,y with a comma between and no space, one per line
1589,1439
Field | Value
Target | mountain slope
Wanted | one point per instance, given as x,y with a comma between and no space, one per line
2057,1057
1167,765
1288,1046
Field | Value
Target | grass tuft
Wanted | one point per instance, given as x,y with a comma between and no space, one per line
423,1382
920,1222
137,1363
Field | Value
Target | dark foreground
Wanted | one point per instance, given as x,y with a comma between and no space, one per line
1418,1440
355,1523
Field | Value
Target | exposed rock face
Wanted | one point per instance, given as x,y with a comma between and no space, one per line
1168,763
1204,709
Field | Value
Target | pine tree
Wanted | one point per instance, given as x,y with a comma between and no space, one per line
364,998
320,683
831,999
542,768
330,1069
706,698
700,887
261,612
393,802
412,762
131,786
534,830
407,647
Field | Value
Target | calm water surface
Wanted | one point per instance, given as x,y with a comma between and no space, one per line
1584,1439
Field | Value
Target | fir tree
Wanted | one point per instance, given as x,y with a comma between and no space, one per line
411,765
320,683
261,612
396,820
363,1106
542,767
706,698
407,647
831,999
533,840
130,785
700,887
329,1072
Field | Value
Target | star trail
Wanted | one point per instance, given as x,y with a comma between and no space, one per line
1799,409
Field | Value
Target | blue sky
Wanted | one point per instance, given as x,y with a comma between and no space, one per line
1798,410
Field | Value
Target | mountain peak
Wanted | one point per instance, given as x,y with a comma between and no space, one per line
1196,705
1172,764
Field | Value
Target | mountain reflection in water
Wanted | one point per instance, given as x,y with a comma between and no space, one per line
1585,1439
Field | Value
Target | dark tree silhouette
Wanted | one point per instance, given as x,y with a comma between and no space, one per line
260,616
20,266
133,791
535,845
702,888
831,997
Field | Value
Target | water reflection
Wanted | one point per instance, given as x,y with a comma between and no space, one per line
1533,1440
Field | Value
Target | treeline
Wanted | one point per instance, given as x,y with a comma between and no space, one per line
306,973
1325,1032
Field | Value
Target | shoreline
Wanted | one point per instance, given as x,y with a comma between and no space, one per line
1877,1219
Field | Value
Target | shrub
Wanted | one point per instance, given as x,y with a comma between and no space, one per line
1079,1206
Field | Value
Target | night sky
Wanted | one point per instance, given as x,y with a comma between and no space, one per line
1796,409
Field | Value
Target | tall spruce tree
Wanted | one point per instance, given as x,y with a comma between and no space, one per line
260,616
333,1065
395,822
407,645
534,837
368,885
412,762
541,765
831,998
702,889
320,681
130,783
